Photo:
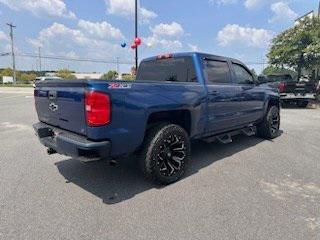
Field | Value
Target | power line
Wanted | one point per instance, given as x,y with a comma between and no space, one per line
53,57
116,61
11,26
118,65
106,61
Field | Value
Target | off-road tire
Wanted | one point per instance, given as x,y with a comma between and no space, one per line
270,125
160,143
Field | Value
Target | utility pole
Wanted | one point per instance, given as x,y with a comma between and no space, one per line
40,67
118,65
136,30
11,26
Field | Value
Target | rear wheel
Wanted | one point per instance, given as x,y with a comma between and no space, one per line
269,127
165,153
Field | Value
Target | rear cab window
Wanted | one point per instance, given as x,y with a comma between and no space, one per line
173,69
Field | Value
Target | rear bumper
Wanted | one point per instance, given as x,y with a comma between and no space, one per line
71,144
292,96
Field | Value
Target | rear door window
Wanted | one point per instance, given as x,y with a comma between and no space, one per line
217,72
180,69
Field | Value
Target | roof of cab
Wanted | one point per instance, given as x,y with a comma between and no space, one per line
191,54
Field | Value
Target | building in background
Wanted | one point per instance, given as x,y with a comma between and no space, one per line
7,79
93,75
51,74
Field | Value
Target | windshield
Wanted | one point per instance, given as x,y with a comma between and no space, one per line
172,69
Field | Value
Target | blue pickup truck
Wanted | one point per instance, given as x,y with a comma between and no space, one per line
175,99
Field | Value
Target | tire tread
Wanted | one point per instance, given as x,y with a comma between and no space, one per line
144,156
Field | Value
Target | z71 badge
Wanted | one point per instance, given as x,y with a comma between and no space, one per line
119,86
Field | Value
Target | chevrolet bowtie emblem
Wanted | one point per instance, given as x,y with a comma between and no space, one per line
53,107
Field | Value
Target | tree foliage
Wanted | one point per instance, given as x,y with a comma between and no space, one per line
22,76
111,75
128,77
27,77
6,72
297,47
66,74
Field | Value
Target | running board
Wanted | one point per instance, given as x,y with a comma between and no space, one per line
249,131
226,138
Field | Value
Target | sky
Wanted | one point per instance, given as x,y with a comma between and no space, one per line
96,29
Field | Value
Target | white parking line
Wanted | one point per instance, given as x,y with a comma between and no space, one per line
16,96
16,92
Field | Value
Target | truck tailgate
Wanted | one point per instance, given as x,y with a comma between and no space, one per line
61,104
300,87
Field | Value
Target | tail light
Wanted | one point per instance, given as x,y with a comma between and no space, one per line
282,87
98,109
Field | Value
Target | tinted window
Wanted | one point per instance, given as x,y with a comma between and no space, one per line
172,69
242,75
217,72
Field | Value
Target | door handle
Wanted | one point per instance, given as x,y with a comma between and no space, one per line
213,95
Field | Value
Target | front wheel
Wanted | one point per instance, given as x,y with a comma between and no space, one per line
165,153
269,127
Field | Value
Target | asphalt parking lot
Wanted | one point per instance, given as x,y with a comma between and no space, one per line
250,189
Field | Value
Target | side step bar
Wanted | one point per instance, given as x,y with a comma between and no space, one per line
249,131
226,138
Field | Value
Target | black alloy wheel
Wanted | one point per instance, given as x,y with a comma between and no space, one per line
165,153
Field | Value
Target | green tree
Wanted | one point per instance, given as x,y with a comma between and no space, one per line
297,47
111,75
128,77
6,72
66,74
27,77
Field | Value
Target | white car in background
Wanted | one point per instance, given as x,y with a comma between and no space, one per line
40,79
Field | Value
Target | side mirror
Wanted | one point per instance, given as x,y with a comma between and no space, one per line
262,80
